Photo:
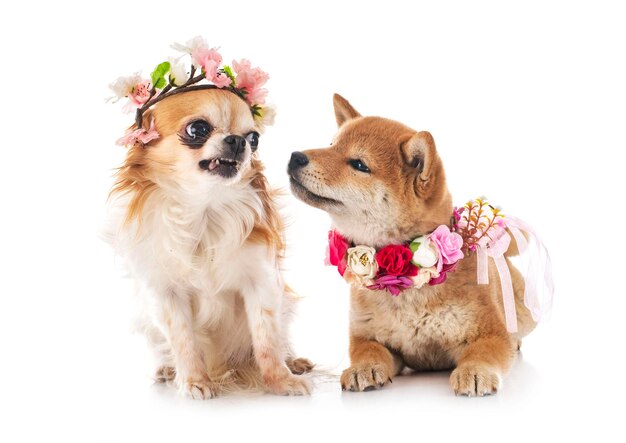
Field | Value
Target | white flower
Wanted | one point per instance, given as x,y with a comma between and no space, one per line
191,45
424,275
178,72
123,86
426,254
361,264
268,115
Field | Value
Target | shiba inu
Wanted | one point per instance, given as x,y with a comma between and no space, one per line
383,184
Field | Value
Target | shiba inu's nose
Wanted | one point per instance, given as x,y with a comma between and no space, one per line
298,160
236,144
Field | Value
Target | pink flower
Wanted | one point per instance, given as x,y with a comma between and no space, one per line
221,80
251,80
392,283
442,274
336,251
449,245
140,93
139,135
210,60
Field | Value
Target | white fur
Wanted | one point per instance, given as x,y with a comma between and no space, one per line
188,255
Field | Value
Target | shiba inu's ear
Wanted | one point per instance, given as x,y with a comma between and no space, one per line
419,152
343,110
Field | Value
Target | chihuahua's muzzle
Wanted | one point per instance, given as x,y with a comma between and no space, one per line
228,162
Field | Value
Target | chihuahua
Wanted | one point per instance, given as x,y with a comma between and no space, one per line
198,226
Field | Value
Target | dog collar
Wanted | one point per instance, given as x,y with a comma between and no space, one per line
478,229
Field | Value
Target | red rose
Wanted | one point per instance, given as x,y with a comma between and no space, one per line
336,251
396,260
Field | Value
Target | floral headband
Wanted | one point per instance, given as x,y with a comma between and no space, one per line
172,77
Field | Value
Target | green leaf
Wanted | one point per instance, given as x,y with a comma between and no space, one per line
158,75
229,72
414,246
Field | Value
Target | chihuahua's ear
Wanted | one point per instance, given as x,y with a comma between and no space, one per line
419,153
343,110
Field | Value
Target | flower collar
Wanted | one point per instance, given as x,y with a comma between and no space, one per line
478,229
172,77
425,259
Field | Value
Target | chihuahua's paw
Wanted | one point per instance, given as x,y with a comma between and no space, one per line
474,380
200,389
364,377
289,385
299,366
164,374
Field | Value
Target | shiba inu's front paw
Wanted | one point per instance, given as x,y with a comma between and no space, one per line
200,389
474,380
364,377
289,385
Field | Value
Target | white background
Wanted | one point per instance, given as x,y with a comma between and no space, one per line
526,103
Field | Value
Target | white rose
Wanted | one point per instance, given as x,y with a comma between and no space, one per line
424,275
426,254
123,86
362,264
191,45
178,72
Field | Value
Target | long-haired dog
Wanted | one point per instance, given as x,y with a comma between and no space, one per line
200,231
383,183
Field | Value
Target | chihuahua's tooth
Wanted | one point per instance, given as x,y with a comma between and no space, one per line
214,163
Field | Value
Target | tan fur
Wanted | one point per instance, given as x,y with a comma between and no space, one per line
456,325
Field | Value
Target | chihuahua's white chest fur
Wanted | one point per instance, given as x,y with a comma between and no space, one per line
199,277
198,255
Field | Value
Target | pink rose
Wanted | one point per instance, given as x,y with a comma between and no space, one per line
336,251
251,80
449,245
139,94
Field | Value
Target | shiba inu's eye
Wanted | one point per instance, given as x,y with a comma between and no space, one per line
359,165
196,133
253,139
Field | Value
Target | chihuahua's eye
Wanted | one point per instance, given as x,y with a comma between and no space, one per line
198,129
253,139
359,165
196,134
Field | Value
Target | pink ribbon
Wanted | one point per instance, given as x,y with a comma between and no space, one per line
536,268
482,266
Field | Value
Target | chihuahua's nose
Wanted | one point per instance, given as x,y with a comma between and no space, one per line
236,143
298,160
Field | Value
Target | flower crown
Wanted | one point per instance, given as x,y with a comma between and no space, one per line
172,77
